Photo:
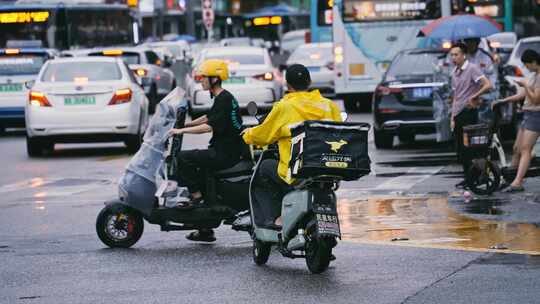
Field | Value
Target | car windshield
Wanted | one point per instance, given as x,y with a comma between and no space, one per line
411,64
533,45
81,71
303,54
25,64
238,58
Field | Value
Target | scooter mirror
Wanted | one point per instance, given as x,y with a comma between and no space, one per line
344,116
252,108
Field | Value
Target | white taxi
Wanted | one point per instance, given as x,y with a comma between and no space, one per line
85,99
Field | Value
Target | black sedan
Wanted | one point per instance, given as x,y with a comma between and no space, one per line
403,101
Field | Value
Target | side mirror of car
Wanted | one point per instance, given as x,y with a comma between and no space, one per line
252,108
29,84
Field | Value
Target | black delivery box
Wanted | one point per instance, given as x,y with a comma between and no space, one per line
327,148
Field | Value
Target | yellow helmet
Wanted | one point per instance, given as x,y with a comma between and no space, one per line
214,68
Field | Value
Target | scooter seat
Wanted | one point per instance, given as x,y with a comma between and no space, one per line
244,167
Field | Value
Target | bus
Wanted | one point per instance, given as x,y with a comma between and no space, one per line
67,25
368,34
321,20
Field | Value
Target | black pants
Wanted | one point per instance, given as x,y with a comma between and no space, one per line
193,165
465,118
269,193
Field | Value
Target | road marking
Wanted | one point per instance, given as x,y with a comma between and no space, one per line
412,177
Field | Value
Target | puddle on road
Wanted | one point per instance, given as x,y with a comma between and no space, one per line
431,222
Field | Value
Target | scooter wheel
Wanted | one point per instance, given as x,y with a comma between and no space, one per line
118,226
484,177
318,254
261,252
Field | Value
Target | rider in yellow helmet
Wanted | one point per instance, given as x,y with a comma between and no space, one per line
224,151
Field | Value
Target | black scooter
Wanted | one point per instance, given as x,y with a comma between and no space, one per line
120,223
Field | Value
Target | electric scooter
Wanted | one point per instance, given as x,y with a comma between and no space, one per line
146,191
309,212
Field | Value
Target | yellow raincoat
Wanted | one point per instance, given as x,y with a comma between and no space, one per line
293,108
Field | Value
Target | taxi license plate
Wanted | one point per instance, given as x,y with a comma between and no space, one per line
235,80
79,100
11,87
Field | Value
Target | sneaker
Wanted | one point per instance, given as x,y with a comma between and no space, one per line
203,235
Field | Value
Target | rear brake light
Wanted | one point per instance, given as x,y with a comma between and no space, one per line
120,97
38,99
382,90
266,76
141,72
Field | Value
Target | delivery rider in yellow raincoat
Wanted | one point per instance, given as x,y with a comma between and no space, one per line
297,106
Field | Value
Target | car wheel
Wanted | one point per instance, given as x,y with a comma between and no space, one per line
153,98
383,140
134,142
34,147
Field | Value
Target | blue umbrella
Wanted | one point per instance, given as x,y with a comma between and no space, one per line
459,27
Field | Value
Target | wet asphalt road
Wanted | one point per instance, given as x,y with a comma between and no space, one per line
51,254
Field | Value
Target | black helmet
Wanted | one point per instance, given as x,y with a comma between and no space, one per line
298,77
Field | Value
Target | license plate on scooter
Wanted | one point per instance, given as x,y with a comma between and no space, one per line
328,224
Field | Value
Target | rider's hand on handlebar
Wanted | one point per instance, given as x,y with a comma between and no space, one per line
173,132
